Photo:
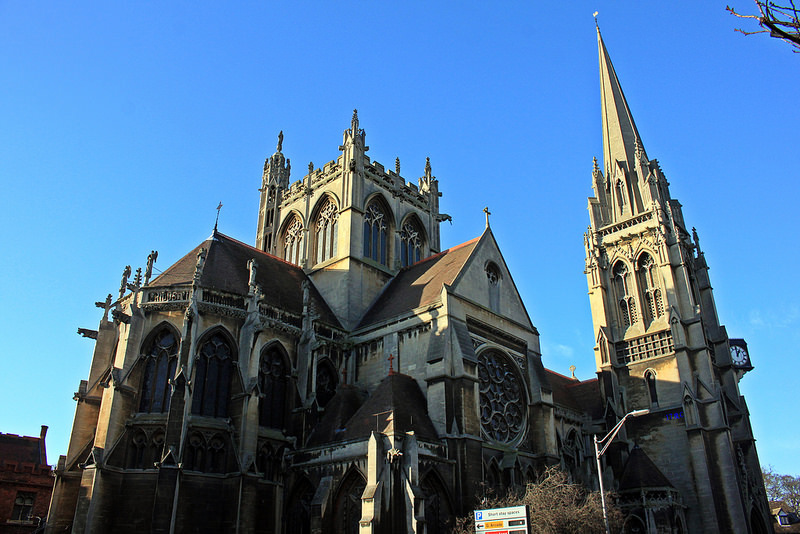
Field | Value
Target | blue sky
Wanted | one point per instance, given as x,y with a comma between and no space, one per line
123,125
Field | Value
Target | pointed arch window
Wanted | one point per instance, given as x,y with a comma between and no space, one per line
325,230
375,234
212,377
650,381
326,382
410,244
292,241
161,359
272,381
501,397
647,275
625,300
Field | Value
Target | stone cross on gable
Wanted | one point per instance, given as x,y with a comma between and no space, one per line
487,212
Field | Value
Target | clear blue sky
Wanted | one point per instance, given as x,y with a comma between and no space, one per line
124,124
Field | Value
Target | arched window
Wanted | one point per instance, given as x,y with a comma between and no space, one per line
161,358
647,274
650,381
410,244
375,234
326,382
272,378
501,397
347,512
625,300
212,377
293,240
325,230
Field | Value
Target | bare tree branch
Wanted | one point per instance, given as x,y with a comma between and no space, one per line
781,21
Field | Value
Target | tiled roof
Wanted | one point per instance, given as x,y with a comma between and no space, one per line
397,405
22,449
419,284
576,395
339,410
641,472
226,270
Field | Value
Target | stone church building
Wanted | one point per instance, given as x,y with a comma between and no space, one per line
347,374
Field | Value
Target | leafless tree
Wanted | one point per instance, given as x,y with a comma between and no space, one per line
555,506
781,21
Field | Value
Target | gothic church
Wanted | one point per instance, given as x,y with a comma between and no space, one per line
347,375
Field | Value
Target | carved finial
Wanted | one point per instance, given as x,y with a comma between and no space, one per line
354,122
252,266
696,240
397,166
151,259
391,368
280,141
595,167
219,207
124,284
137,279
572,370
310,167
201,261
428,168
487,212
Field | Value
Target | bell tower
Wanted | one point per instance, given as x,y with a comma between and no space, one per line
660,345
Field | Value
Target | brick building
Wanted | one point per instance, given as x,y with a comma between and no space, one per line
26,482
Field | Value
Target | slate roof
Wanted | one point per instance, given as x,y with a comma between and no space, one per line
419,284
23,449
339,410
576,395
401,407
641,472
226,270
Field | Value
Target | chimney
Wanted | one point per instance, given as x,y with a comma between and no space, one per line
42,448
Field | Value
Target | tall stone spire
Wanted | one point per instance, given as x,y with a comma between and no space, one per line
620,136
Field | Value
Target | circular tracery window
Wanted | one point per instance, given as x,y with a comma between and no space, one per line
502,411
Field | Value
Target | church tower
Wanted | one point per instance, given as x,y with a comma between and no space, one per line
660,345
351,224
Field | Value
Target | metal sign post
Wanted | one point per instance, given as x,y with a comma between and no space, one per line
512,520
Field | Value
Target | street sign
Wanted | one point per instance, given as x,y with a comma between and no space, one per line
511,520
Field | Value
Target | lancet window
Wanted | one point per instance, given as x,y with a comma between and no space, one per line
161,358
326,382
292,241
625,300
501,397
410,244
272,379
650,381
212,378
326,232
375,234
653,299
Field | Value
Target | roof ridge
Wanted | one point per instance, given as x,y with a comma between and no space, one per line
254,249
442,253
575,379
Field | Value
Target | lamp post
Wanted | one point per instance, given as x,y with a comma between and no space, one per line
600,452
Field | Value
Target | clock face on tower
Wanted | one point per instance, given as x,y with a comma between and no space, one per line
739,356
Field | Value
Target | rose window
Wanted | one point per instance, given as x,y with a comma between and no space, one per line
502,411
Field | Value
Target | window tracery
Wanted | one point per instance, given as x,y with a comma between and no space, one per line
347,511
272,377
326,232
653,299
212,378
625,300
161,359
292,241
206,455
501,397
375,234
410,244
